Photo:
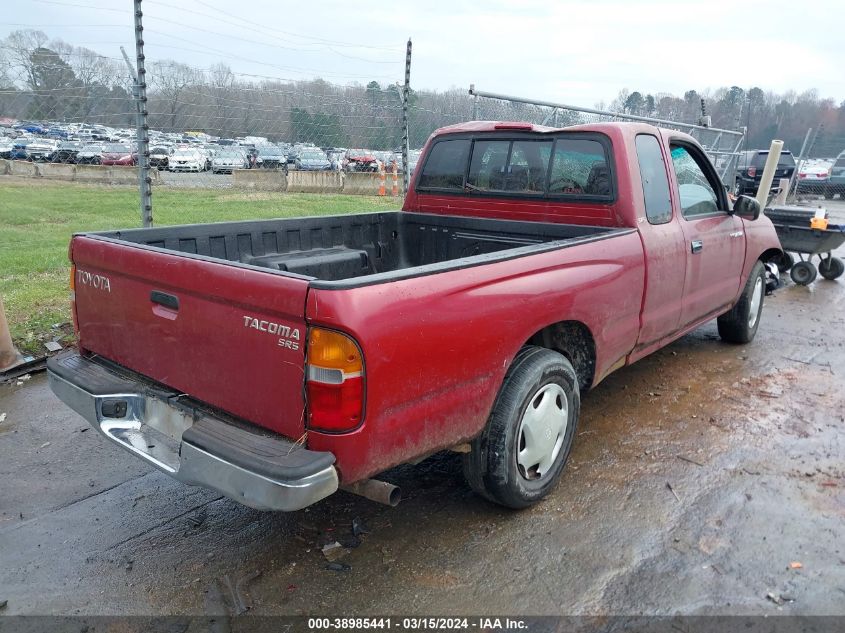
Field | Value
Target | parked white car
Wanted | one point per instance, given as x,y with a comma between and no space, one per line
227,160
189,159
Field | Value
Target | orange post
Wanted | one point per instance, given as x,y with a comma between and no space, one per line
395,190
381,181
9,356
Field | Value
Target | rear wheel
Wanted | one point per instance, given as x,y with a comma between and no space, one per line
831,268
803,273
739,324
519,457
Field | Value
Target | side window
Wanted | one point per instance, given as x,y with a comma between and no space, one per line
697,194
579,166
445,166
658,205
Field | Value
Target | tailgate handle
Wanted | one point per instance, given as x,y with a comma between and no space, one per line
697,246
164,299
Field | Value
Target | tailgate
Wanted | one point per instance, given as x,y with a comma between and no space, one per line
221,333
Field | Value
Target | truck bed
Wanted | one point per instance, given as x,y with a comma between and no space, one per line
353,250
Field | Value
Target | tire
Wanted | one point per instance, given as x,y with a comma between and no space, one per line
831,268
803,273
496,467
740,323
784,262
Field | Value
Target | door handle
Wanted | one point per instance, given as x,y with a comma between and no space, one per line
164,299
697,246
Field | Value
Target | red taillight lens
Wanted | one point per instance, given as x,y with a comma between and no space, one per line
73,300
334,381
752,171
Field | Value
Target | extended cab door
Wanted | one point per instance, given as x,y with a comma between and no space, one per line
664,245
715,240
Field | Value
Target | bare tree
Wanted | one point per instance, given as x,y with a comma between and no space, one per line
171,81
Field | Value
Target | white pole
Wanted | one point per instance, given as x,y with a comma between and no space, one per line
9,356
769,173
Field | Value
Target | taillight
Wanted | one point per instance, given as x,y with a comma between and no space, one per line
72,283
752,171
334,381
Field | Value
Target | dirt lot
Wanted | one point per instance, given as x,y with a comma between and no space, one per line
706,479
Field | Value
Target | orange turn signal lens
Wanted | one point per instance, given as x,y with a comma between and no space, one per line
72,277
333,350
334,382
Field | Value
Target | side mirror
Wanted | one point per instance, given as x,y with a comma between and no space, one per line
747,207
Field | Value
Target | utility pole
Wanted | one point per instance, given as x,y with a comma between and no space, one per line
406,94
142,133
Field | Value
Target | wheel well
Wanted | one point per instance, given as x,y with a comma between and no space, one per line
574,340
770,254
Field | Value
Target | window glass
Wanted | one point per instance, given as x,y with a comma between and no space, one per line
487,168
516,166
696,193
528,166
658,206
579,166
445,166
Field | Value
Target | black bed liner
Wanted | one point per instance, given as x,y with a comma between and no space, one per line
344,251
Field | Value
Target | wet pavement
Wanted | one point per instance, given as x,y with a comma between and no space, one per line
708,478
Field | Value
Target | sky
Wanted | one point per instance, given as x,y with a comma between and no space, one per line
578,53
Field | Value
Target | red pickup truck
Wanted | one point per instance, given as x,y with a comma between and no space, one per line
275,361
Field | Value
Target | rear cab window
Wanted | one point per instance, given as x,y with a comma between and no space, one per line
786,159
445,167
566,165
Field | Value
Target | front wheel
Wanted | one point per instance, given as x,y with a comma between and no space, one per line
739,324
520,455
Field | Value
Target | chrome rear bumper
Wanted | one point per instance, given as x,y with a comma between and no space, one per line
262,470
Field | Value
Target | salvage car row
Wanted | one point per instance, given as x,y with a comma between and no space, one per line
192,152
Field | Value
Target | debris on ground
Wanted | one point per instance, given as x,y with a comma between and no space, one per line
197,520
53,346
689,459
358,525
795,565
338,567
672,490
44,445
2,418
3,604
779,599
334,551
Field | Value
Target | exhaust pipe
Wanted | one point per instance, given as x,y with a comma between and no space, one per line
375,490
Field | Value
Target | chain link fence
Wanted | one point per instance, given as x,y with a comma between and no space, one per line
226,145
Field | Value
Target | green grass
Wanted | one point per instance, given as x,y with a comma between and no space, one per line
37,219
